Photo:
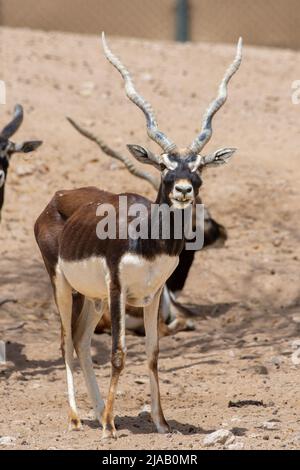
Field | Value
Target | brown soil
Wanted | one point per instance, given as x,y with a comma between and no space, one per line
249,289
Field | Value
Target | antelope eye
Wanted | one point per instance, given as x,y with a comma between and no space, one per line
162,167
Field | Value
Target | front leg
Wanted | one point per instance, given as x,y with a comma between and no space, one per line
152,349
117,312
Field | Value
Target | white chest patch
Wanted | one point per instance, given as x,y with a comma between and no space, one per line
142,278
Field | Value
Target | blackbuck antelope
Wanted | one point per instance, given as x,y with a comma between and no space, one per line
118,270
173,316
8,148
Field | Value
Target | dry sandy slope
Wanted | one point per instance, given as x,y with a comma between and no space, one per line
249,289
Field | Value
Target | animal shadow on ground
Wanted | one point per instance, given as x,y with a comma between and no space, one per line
208,311
32,368
28,368
143,424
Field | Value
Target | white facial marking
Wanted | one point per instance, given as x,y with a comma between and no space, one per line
193,166
182,194
170,164
2,178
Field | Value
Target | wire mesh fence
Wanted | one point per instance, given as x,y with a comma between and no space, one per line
260,22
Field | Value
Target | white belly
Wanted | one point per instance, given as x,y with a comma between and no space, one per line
140,278
89,277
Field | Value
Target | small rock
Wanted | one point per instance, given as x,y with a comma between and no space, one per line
24,170
146,410
146,77
295,438
276,361
7,441
222,436
114,166
36,385
87,89
295,344
2,352
271,425
141,381
277,242
261,370
296,357
235,446
236,419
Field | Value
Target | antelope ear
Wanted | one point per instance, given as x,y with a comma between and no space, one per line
28,146
144,155
219,157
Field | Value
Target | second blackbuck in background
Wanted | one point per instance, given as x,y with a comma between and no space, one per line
128,271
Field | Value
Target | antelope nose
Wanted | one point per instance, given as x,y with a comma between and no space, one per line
184,188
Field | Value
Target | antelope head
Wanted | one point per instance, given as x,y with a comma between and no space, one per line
8,148
181,170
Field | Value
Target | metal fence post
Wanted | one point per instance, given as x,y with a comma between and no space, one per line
182,20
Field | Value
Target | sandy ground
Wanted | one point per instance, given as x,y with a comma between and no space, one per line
249,289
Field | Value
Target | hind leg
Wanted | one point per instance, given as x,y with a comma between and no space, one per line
63,297
83,332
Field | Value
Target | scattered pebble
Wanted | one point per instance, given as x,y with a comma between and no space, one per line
295,439
141,381
87,89
146,410
146,77
295,344
260,369
296,357
235,446
271,425
24,170
7,441
221,436
276,361
36,385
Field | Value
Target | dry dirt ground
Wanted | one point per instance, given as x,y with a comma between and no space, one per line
249,290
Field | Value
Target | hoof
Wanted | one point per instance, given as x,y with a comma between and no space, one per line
74,422
109,434
163,428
